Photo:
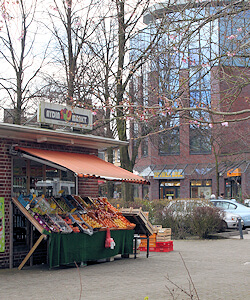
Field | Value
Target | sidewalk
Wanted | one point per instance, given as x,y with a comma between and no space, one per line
219,269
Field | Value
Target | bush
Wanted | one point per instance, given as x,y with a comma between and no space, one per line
200,221
205,220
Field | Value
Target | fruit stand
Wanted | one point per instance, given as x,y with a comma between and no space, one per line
77,228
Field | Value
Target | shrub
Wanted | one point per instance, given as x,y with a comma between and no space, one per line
200,221
205,220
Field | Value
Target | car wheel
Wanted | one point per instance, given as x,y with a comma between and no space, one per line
223,225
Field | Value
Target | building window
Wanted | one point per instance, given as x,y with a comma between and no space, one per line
169,138
118,156
200,96
199,140
232,30
201,188
113,156
144,147
145,192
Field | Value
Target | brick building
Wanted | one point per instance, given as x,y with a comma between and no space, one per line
183,157
20,170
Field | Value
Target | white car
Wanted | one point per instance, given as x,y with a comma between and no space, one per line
231,220
184,207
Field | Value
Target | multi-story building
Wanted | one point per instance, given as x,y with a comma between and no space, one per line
202,62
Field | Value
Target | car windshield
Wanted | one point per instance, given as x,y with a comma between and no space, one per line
225,205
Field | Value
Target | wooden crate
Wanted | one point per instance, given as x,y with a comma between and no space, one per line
137,216
156,228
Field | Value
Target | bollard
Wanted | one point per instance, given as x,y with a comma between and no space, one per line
240,227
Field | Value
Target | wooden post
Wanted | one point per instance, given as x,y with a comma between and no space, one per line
31,251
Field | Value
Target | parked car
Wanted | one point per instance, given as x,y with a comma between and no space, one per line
185,207
234,207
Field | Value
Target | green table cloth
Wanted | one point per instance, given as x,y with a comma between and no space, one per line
66,249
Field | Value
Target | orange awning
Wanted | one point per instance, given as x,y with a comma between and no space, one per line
84,165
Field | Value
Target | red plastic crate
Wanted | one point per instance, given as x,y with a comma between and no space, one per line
151,249
164,244
163,249
167,248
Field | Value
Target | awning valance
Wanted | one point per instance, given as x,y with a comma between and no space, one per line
83,165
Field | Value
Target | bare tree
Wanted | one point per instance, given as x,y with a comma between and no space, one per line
72,23
22,57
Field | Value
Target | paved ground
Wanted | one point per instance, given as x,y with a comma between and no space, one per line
219,269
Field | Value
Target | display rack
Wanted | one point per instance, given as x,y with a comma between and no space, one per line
143,226
64,218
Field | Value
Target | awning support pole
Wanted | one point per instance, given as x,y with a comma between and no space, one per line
76,176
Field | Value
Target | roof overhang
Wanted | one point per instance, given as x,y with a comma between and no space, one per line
83,165
42,135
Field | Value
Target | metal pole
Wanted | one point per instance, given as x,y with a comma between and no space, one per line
240,227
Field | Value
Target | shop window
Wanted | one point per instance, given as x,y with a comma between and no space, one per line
135,190
233,187
201,188
19,177
145,192
170,189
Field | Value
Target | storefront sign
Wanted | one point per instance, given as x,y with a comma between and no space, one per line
234,172
2,230
50,113
173,174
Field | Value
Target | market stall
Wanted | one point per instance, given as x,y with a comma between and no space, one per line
79,229
64,167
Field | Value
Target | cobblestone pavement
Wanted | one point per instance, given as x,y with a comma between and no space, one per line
219,269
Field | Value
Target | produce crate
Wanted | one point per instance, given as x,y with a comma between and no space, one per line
91,221
84,227
68,203
43,205
73,201
62,204
156,228
50,223
163,235
64,227
71,222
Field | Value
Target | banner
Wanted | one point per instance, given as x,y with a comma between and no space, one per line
2,231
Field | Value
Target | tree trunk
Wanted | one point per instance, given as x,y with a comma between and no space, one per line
110,184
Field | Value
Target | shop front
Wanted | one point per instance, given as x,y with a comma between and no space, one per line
169,183
201,188
233,184
41,219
